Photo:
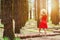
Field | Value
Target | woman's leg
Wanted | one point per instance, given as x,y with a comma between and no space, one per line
39,30
45,32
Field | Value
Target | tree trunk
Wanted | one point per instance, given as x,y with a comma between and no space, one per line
20,14
38,12
55,12
6,6
0,9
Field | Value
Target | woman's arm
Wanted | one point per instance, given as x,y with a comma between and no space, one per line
40,18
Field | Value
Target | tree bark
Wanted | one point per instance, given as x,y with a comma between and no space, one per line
38,12
0,9
20,14
55,12
6,7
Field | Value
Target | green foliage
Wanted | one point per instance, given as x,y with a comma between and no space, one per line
17,38
6,38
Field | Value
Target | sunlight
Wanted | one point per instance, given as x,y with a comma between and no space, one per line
31,9
49,6
32,1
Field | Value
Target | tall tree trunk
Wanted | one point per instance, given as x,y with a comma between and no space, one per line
38,12
17,16
59,17
55,12
20,14
6,7
35,11
0,9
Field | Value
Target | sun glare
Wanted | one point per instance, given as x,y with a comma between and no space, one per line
49,6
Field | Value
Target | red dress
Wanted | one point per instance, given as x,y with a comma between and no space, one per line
43,23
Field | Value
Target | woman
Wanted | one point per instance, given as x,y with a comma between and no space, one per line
43,21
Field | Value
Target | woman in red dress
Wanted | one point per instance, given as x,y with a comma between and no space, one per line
43,21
